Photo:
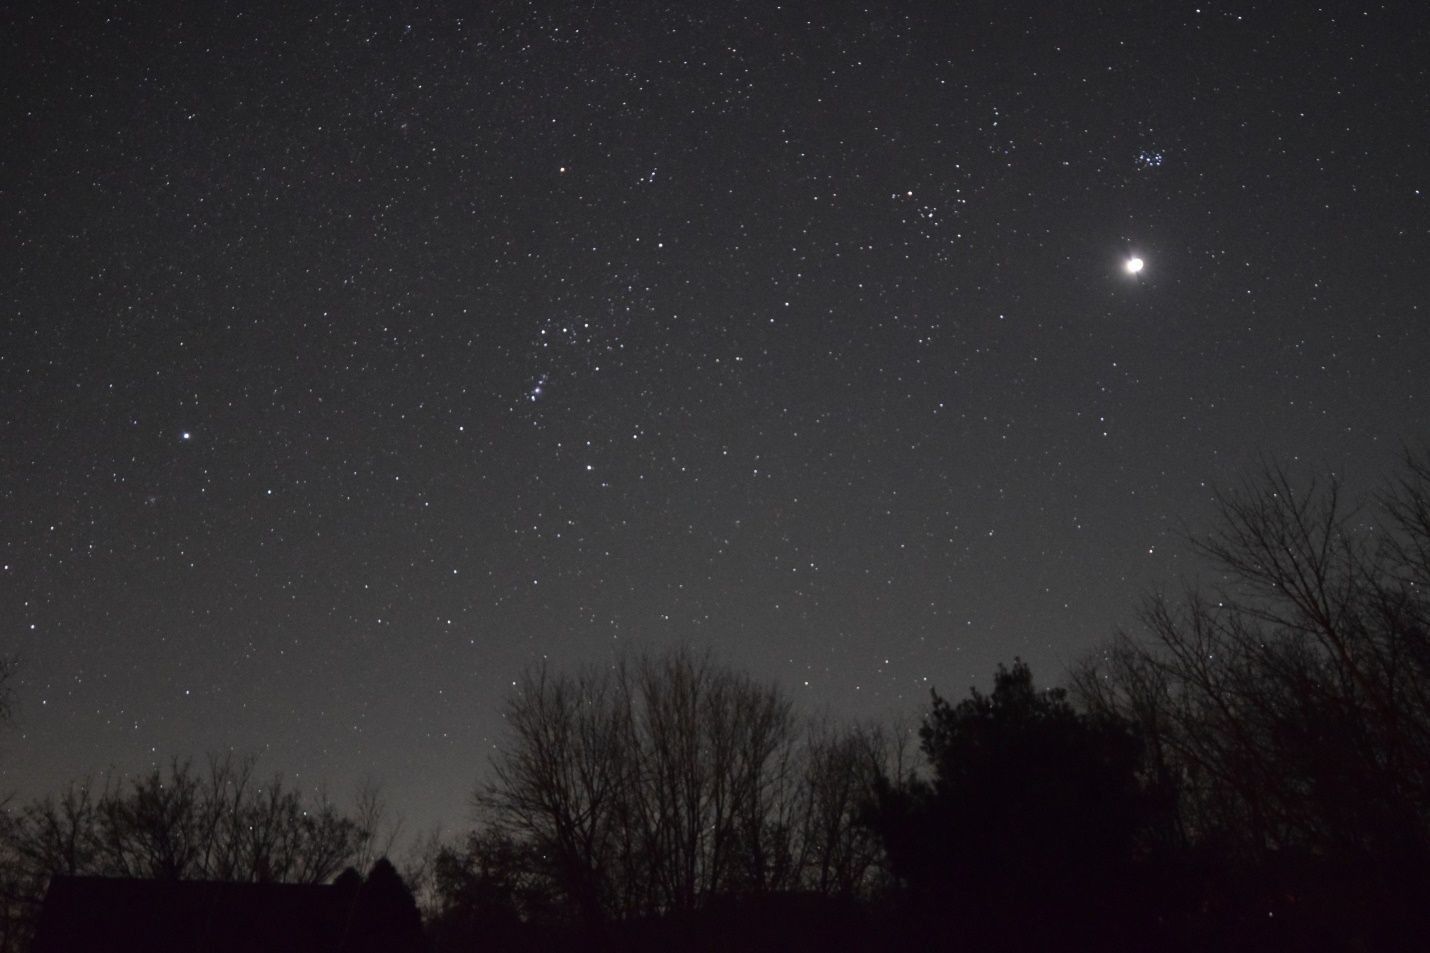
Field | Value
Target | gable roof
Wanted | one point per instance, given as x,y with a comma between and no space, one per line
119,915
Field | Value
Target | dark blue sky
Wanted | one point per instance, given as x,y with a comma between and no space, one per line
353,359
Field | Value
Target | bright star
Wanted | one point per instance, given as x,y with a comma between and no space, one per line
1134,265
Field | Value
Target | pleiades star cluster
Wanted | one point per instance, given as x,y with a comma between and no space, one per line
356,356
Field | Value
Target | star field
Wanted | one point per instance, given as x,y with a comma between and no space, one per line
354,359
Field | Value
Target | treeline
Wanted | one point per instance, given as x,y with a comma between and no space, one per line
218,821
1286,711
648,787
1249,769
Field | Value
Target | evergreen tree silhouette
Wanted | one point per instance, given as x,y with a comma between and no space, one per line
1031,816
385,918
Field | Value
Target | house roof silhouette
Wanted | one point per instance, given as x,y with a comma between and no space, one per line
120,915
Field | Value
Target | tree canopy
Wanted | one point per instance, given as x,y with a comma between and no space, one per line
1026,796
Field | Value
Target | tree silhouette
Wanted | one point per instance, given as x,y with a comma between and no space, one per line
489,892
221,823
385,918
651,786
349,882
1291,703
1034,811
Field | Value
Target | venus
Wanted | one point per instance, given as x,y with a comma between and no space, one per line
1134,265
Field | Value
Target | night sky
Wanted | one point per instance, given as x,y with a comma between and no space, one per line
353,360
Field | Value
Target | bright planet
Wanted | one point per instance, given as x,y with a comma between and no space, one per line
1134,265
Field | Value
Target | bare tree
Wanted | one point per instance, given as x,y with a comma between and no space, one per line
380,828
842,855
656,783
181,823
557,779
713,751
1291,704
225,824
